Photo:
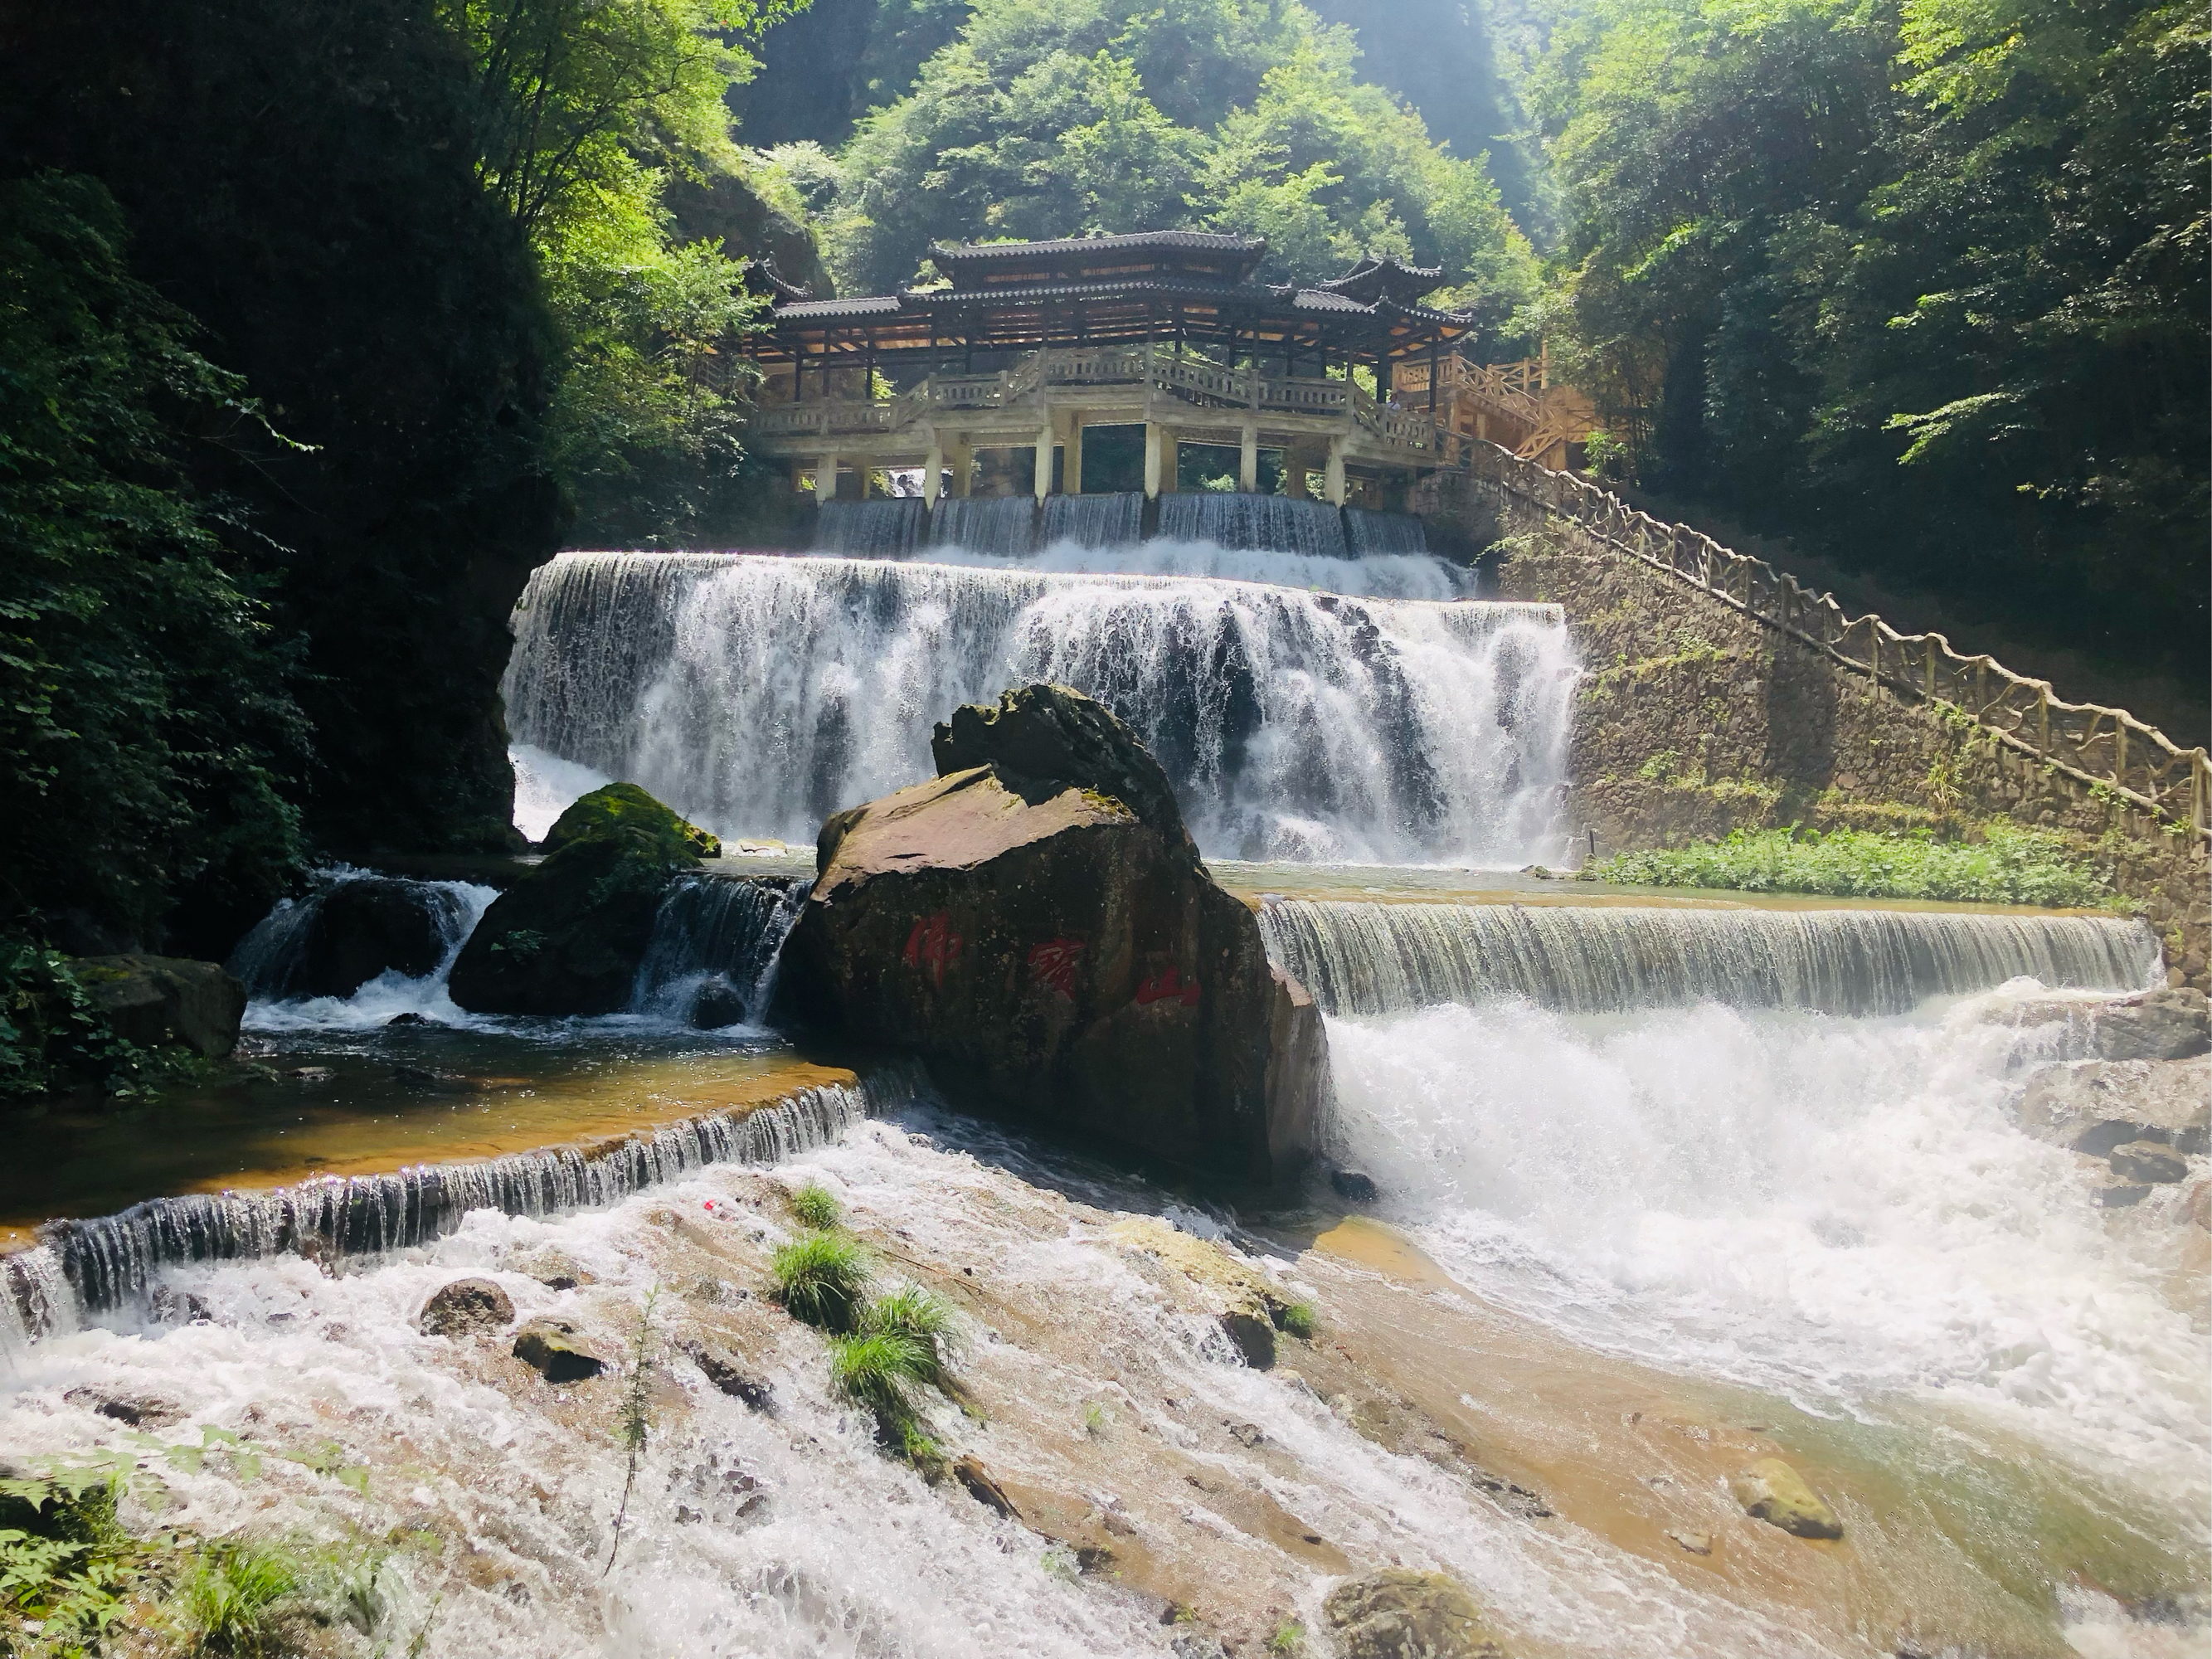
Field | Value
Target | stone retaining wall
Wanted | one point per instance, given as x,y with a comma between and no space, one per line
1695,719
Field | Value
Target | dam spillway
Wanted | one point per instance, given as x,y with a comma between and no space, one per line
758,693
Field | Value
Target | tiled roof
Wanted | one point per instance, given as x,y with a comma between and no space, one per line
874,305
1189,241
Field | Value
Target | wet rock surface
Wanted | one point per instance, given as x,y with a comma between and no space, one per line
1772,1491
1401,1614
2156,1025
465,1308
2093,1105
1055,950
568,937
368,926
154,1001
556,1349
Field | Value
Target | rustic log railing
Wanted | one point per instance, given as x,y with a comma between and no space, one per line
2106,749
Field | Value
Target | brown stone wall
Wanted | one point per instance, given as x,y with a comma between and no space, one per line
1695,719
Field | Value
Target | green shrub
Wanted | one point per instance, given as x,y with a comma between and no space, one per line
229,1601
914,1315
2010,866
822,1279
877,1370
1297,1319
817,1206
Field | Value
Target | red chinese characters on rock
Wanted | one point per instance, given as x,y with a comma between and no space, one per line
1168,986
1053,964
932,946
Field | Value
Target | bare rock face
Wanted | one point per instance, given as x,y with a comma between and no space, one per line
1036,925
1770,1491
1400,1613
553,1349
465,1307
368,926
2093,1105
152,1000
2170,1024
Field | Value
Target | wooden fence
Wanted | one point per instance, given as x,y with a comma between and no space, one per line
2106,749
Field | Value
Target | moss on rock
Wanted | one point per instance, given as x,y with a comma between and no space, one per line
623,811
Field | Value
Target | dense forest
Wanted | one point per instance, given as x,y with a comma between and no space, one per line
321,324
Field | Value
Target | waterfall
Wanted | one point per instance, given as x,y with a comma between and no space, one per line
999,526
1094,521
1366,530
105,1262
715,944
285,955
756,695
881,529
1366,959
1261,522
1377,576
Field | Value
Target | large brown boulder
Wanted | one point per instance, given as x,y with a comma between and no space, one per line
569,937
152,1000
1036,925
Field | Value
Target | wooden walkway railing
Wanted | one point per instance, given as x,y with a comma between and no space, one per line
2104,748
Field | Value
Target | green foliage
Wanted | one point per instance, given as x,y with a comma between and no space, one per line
822,1279
231,1599
911,1315
877,1369
147,735
52,1036
1922,285
816,1206
633,1419
1234,114
2009,866
1289,1637
1299,1319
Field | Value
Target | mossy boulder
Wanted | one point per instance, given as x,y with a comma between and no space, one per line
157,1000
1401,1614
624,811
568,938
557,1351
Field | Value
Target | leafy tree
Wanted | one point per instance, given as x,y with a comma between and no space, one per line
148,740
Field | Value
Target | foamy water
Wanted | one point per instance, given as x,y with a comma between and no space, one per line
1839,1211
1376,576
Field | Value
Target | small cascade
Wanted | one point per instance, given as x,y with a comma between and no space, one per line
1094,521
715,944
997,526
107,1262
1368,531
1273,524
758,695
1367,959
881,529
314,945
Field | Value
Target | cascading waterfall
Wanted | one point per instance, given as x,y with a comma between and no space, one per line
1367,531
274,960
1367,959
758,695
715,944
882,528
1116,519
1235,519
997,526
107,1261
1379,576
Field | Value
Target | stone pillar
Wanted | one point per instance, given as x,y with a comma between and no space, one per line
1157,443
963,465
1294,474
1336,471
933,469
1071,471
825,479
1248,463
1044,458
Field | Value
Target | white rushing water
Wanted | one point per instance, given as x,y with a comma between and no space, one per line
1841,1211
759,694
1378,575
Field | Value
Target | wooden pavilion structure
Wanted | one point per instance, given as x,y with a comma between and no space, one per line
1025,345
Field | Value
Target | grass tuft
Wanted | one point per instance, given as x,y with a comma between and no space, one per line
817,1207
879,1370
2010,866
230,1599
914,1313
1298,1319
823,1279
